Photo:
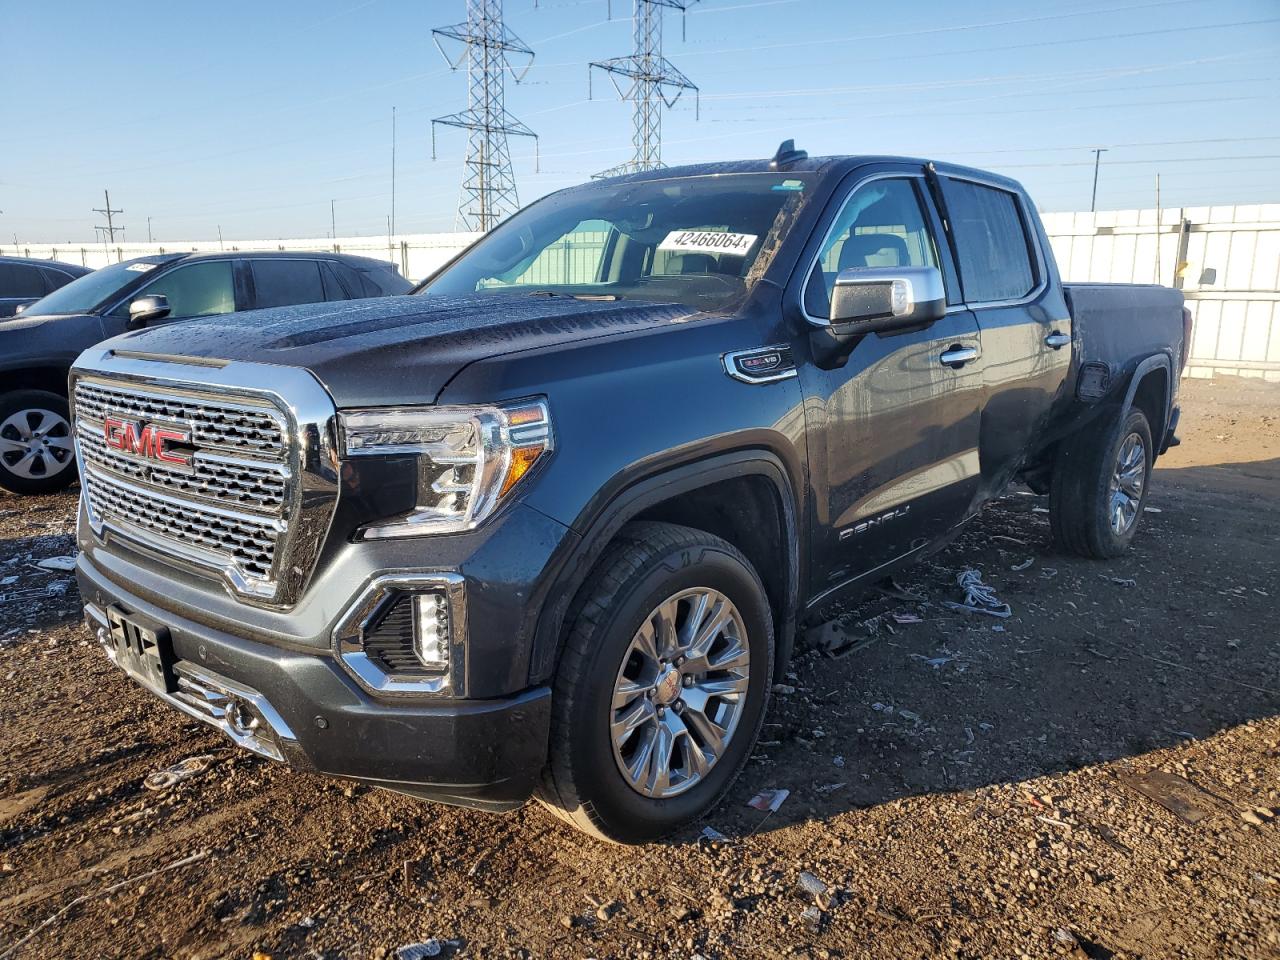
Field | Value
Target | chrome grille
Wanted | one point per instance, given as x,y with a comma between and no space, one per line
214,422
228,509
247,543
254,485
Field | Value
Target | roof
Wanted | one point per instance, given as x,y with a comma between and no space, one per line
348,258
62,265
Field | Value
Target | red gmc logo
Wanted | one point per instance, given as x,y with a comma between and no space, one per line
150,441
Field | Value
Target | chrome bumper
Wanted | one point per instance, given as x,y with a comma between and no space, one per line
240,712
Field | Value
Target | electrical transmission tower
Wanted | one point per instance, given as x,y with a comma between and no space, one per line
489,186
654,82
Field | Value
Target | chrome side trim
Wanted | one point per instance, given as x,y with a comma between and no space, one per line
349,632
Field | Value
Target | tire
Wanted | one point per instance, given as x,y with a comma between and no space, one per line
1083,505
649,567
36,453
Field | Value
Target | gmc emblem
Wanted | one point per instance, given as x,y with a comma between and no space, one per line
151,441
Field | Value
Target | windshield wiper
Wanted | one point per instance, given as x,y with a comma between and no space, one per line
574,296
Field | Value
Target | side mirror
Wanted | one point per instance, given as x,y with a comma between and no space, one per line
146,309
870,299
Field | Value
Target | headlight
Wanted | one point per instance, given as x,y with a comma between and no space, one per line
469,458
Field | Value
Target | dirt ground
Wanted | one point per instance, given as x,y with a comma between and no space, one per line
961,786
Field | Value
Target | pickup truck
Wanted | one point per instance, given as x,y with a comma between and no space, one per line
38,346
549,527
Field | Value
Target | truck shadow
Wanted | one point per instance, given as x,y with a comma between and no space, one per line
1099,661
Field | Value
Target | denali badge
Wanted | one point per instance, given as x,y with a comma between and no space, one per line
150,441
872,522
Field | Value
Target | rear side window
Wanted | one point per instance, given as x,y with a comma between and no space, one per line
55,278
992,243
19,280
281,283
357,282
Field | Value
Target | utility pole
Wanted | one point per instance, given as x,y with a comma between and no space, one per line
220,246
148,229
391,227
333,227
1097,160
654,83
1158,218
109,231
489,185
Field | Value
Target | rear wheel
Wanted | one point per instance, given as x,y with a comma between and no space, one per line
1100,480
662,685
36,450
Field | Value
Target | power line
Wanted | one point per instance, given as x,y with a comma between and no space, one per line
654,83
489,186
108,231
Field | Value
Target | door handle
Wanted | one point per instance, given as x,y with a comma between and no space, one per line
1057,340
957,357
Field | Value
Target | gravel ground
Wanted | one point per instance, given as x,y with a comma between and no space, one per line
1097,776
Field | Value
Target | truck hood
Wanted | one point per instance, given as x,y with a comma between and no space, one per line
397,350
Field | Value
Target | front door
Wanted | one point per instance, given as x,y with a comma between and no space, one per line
894,430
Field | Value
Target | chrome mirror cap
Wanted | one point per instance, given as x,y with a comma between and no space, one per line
881,298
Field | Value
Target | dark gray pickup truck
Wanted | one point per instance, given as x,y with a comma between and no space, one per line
549,527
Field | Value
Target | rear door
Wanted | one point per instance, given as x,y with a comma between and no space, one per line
20,284
1007,278
893,431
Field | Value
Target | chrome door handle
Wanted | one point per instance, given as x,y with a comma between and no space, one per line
1057,340
958,356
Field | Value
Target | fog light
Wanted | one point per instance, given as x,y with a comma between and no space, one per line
431,630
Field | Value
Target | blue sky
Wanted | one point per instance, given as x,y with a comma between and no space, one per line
252,116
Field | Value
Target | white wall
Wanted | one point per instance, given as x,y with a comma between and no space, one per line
1237,315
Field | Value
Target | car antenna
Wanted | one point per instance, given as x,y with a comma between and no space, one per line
787,155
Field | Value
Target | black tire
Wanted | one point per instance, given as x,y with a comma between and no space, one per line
1080,498
52,468
647,564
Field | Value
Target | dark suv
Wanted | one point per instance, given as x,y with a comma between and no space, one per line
37,348
23,281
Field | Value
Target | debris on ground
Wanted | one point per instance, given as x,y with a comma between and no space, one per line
979,597
714,835
419,951
769,800
1119,581
65,564
1018,567
1176,794
811,884
183,770
901,617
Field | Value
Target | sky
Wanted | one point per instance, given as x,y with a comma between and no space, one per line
251,116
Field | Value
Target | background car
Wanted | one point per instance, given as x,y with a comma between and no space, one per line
38,347
24,281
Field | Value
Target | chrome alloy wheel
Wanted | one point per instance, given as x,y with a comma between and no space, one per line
680,692
35,444
1127,482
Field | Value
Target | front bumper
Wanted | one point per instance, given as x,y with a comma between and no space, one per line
304,708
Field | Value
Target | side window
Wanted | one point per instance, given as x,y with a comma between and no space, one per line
281,283
881,225
19,280
991,242
194,290
54,279
333,289
354,280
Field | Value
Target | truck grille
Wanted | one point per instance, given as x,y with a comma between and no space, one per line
226,507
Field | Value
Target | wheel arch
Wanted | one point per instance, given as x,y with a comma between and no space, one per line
1151,390
693,495
49,377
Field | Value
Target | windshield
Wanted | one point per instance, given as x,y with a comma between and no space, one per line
93,290
692,240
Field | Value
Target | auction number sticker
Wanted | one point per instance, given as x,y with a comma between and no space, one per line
708,241
140,267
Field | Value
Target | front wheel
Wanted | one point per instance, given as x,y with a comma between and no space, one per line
37,454
1099,487
662,684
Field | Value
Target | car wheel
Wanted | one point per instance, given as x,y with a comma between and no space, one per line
661,686
1099,487
37,454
